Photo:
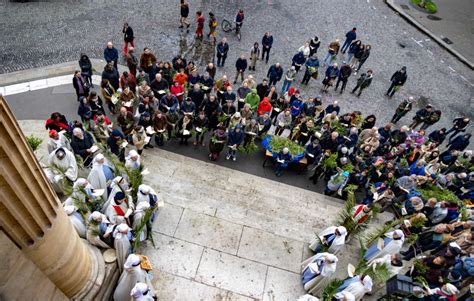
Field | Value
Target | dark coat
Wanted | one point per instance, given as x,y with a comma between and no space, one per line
128,34
267,42
112,76
80,146
345,72
399,78
86,65
111,54
235,138
275,73
78,83
222,49
241,64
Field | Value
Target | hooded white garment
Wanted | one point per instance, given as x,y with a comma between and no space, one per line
138,215
307,297
347,295
359,288
141,292
118,184
392,247
97,176
68,164
132,273
76,220
112,213
77,193
144,192
387,260
336,244
323,263
122,244
129,163
93,229
63,142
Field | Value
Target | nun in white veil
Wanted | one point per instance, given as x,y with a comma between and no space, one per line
316,269
99,230
122,238
101,174
358,286
76,219
132,273
333,237
142,292
392,243
138,215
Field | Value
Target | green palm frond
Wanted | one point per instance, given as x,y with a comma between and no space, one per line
370,238
144,224
330,290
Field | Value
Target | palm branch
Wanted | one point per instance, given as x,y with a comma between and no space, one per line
370,238
144,223
331,289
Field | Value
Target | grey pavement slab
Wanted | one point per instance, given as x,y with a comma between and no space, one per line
453,21
282,285
209,231
174,256
271,249
232,273
167,219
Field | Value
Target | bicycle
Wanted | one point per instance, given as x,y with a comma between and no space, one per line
227,27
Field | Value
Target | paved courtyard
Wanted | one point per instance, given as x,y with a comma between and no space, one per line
42,33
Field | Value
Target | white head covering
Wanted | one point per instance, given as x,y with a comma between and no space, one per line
96,215
98,157
399,233
69,209
132,260
449,289
121,230
144,189
328,268
80,182
367,281
139,289
132,153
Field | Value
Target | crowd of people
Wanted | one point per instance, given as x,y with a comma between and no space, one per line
391,167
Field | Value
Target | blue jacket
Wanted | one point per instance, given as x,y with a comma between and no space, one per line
296,107
311,62
172,103
111,54
299,59
235,138
275,73
267,41
351,36
332,72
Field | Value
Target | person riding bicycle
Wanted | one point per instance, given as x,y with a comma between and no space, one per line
239,20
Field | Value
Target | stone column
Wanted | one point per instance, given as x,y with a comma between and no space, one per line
32,216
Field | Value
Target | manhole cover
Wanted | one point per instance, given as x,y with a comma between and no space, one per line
404,6
448,41
433,17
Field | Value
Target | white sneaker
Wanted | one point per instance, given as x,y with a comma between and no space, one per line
234,158
227,157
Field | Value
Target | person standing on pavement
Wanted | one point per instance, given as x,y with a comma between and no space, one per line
221,51
267,43
364,56
132,61
212,27
312,65
354,48
298,60
254,55
86,69
333,50
350,36
79,85
332,72
240,66
460,124
127,37
363,82
111,54
403,108
274,74
290,76
200,24
314,45
344,74
398,79
184,11
147,60
421,116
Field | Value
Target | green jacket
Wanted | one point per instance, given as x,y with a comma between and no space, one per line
253,100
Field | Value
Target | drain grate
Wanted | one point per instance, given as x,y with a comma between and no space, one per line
404,6
434,18
448,41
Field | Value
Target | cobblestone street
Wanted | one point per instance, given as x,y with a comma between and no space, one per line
42,33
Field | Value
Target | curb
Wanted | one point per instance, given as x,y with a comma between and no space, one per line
67,68
422,28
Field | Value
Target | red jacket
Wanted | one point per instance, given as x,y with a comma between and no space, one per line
264,107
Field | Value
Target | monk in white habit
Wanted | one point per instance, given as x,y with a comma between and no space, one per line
101,174
394,263
142,292
131,275
99,230
392,243
333,237
62,166
76,219
317,269
122,238
82,193
358,286
58,140
133,160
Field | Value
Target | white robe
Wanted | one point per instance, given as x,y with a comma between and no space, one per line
127,281
63,142
325,274
78,224
95,239
122,248
393,247
137,219
337,244
112,214
387,260
68,164
130,164
357,289
98,180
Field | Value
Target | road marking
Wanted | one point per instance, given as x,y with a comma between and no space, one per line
418,42
427,40
429,52
450,68
441,61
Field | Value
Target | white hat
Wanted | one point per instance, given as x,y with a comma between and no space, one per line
132,153
98,157
69,209
367,281
139,289
449,289
132,260
342,230
143,188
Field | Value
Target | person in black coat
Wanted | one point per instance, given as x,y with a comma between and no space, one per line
197,96
460,142
344,73
221,52
459,125
111,54
398,79
267,43
86,69
127,37
363,82
438,136
240,67
263,89
81,142
79,85
114,142
274,74
111,74
421,116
